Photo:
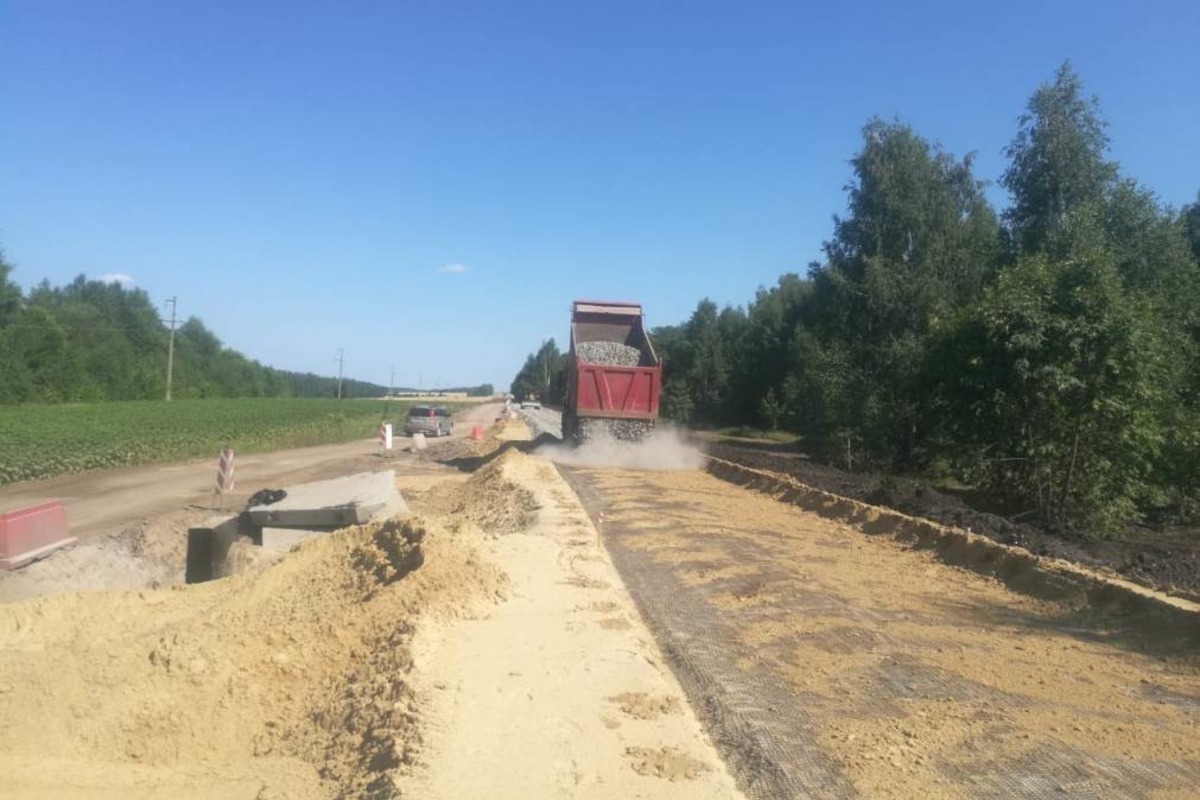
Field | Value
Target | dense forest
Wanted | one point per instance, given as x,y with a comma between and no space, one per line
1046,353
543,375
93,341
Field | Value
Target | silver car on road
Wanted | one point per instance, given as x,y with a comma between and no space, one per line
429,420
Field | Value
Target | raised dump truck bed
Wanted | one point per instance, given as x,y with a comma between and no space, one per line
614,376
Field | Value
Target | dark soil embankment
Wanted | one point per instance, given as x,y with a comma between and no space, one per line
1168,561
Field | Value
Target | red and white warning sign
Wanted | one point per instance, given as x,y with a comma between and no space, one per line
225,472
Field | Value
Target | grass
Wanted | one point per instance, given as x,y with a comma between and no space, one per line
48,440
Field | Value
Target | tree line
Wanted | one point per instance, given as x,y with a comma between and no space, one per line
543,375
480,390
1046,353
94,341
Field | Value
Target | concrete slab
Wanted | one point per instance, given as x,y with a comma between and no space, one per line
396,507
349,500
281,540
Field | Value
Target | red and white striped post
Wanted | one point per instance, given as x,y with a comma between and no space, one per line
385,437
224,474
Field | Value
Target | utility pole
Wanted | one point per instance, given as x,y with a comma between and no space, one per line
341,360
171,347
392,382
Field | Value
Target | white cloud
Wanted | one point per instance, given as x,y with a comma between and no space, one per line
116,277
453,269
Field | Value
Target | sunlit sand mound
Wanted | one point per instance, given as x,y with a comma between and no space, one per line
289,681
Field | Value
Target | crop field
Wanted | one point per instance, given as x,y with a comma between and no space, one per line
48,440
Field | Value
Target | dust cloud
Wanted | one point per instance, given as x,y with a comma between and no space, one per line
665,449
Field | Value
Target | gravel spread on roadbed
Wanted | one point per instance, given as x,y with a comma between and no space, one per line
1166,560
833,664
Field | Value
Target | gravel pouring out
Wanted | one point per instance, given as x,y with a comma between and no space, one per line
663,450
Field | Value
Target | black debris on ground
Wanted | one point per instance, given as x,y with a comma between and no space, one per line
265,497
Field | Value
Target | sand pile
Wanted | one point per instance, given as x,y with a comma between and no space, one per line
469,454
288,681
489,500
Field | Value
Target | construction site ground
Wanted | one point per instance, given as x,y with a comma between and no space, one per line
555,625
128,520
1164,558
833,664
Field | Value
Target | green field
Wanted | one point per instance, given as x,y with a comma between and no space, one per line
45,440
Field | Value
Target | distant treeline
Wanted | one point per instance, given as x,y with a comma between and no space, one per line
543,375
1048,354
482,390
93,341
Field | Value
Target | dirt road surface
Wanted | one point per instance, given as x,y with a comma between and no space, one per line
583,630
486,649
832,664
132,523
560,691
104,501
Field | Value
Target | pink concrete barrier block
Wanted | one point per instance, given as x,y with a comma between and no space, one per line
28,534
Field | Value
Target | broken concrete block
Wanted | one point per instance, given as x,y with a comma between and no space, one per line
281,540
350,500
396,507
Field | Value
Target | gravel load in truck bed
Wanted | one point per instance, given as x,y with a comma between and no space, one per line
608,354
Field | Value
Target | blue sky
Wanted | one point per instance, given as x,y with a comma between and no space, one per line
429,185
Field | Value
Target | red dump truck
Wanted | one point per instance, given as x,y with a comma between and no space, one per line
613,374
